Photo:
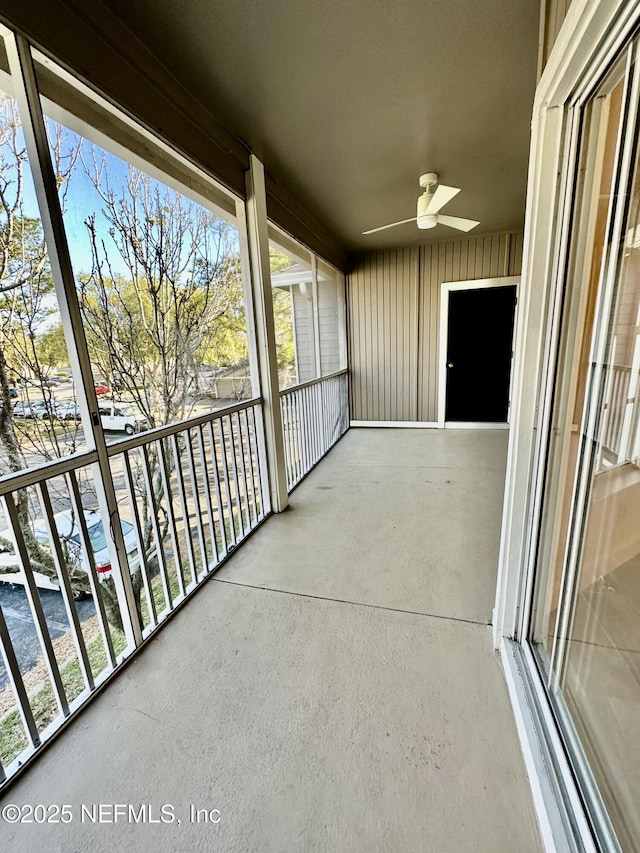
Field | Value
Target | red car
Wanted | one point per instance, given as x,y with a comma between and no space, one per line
101,389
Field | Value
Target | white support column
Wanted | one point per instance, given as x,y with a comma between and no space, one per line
316,316
28,98
342,324
257,231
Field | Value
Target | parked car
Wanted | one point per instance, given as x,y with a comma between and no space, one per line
101,389
50,410
68,411
13,392
69,531
71,535
30,409
119,419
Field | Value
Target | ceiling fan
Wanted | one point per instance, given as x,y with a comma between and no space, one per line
429,204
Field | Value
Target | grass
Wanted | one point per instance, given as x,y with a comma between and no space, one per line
43,705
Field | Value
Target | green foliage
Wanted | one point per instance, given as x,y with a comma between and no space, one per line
278,260
51,348
282,317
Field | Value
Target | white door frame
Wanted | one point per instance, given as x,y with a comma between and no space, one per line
445,289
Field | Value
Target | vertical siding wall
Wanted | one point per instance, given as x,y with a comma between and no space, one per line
303,331
328,326
393,300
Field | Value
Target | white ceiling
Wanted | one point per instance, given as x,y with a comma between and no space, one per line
347,102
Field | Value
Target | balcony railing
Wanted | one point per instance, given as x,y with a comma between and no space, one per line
315,415
187,494
621,424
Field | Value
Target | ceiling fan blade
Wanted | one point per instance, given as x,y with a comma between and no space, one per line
440,197
456,222
392,225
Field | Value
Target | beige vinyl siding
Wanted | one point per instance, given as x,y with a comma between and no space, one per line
382,294
328,319
303,331
393,302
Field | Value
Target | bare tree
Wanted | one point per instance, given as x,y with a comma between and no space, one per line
157,291
165,282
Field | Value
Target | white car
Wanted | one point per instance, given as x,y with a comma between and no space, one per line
70,534
30,409
69,531
119,419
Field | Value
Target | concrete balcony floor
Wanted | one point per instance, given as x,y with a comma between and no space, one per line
333,688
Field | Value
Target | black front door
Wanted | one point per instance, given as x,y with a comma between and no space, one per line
479,344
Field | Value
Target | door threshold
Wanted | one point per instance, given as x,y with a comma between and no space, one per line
474,425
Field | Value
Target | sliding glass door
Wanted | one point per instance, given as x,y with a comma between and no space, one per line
585,618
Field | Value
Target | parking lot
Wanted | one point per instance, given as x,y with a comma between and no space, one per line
15,608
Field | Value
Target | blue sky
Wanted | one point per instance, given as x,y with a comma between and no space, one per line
82,199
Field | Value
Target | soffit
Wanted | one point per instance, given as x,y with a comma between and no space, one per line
347,103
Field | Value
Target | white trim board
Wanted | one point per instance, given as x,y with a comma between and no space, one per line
397,424
474,425
550,809
429,424
446,288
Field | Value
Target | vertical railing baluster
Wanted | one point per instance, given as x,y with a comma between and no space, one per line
258,467
35,606
206,488
154,502
307,430
197,507
216,478
177,457
140,538
249,476
244,511
65,584
292,417
227,479
320,415
295,396
301,432
87,551
171,516
12,669
311,427
293,437
315,430
236,482
286,426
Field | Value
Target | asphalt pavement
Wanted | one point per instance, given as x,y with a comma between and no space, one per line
15,607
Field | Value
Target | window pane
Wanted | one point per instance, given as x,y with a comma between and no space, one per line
158,271
602,122
35,377
602,667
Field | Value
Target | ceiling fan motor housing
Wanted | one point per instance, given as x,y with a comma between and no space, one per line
425,220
